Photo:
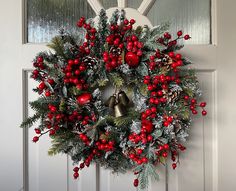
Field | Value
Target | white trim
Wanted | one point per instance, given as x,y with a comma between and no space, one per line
145,6
122,3
213,22
95,5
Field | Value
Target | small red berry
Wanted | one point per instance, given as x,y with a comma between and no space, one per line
203,104
187,37
179,33
166,146
47,93
40,59
132,21
204,112
136,182
76,169
35,139
76,175
37,131
174,165
165,154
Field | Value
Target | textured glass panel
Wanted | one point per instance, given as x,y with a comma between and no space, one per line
46,17
193,16
109,3
134,3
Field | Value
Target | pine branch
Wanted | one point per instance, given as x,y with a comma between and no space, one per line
117,80
30,121
57,44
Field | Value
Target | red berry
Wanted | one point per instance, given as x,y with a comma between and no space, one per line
149,138
52,132
50,81
178,56
76,169
186,97
203,104
132,21
37,131
171,54
81,165
76,175
194,112
35,139
154,109
187,37
179,33
132,156
136,182
174,165
40,59
166,123
167,35
144,160
42,85
165,154
166,146
204,112
47,93
139,151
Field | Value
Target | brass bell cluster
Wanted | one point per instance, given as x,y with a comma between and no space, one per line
118,103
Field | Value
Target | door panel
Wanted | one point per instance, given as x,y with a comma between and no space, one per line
208,163
197,164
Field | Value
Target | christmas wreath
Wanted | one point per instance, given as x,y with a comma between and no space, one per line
142,123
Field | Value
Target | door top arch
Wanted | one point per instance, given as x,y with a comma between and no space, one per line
138,14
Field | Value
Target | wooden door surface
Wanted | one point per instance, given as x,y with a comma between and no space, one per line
208,163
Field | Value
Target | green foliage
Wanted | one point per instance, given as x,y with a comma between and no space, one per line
127,119
147,171
61,143
116,80
57,45
30,121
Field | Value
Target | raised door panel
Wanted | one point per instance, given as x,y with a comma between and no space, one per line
198,164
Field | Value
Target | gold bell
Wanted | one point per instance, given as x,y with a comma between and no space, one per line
111,101
123,98
119,110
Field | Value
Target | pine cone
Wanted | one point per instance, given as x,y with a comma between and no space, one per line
115,51
90,61
171,96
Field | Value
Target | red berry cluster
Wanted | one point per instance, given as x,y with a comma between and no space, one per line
112,60
90,35
73,74
167,120
39,65
84,138
117,43
86,162
193,105
37,74
138,158
167,40
163,150
156,86
53,119
156,60
105,145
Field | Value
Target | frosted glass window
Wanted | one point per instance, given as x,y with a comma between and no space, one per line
193,16
46,17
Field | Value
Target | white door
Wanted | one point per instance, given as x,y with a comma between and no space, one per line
207,165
